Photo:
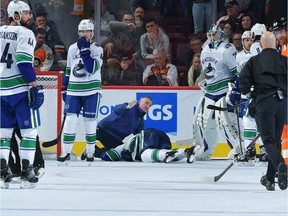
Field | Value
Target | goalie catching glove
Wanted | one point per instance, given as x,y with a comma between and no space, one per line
36,95
233,95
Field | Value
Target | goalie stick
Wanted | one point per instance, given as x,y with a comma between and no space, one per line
218,177
213,107
55,141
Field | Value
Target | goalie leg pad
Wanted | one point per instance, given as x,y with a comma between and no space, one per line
205,128
249,128
227,124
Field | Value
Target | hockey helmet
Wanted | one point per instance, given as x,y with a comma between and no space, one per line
257,30
215,35
86,25
17,7
246,34
279,24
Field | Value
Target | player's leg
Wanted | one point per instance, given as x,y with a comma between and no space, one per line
72,110
90,113
116,154
8,122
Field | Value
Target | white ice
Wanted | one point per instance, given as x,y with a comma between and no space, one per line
143,189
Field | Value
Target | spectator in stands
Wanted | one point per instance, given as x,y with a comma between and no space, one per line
202,12
228,29
154,38
233,12
195,73
129,73
195,47
52,38
161,73
237,41
139,16
171,8
147,5
43,55
245,23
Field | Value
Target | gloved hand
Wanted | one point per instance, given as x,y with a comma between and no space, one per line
36,95
131,104
233,95
84,46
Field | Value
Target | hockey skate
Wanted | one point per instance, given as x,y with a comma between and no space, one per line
262,157
191,153
84,155
62,159
247,159
171,156
90,158
27,176
5,174
39,171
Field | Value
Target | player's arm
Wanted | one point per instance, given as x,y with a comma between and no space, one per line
91,64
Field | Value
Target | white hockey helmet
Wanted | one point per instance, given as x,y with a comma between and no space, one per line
86,25
16,6
246,34
215,35
257,30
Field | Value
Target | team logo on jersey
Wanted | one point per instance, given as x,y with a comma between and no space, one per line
79,70
163,112
209,71
37,62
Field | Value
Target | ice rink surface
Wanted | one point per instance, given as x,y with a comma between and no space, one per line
143,189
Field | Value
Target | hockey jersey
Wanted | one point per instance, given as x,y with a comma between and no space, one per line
17,46
81,82
43,58
219,65
255,48
241,59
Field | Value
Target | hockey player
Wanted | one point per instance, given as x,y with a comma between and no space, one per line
219,63
257,30
83,83
21,97
150,145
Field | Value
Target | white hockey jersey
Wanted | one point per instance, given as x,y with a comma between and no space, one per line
241,59
219,65
81,82
255,48
17,46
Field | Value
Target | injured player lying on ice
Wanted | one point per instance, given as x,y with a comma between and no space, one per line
150,145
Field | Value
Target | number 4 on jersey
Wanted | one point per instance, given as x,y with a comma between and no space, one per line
7,57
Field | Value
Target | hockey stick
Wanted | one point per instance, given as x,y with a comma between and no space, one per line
213,107
55,141
218,177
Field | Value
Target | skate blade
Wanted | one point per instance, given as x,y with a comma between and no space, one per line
4,185
170,159
27,185
60,163
15,180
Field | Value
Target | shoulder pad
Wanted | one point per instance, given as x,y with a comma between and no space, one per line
228,45
96,44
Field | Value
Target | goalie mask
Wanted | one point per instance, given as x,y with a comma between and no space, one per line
257,30
215,35
86,25
17,7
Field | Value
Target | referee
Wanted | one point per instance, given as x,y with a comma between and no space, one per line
267,72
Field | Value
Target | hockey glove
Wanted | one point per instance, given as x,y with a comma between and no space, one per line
36,95
233,95
131,104
84,47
